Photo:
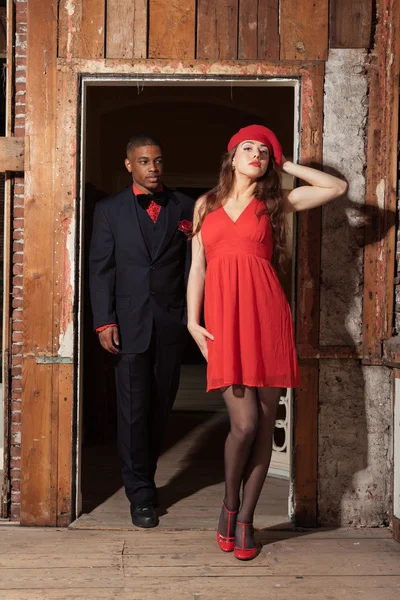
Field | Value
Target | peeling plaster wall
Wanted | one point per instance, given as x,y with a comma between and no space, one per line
354,444
344,152
355,400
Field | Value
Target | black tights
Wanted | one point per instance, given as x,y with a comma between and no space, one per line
248,447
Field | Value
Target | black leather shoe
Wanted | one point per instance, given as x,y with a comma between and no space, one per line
144,515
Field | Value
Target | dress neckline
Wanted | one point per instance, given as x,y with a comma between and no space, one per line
243,211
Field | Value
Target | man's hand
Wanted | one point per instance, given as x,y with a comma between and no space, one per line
109,339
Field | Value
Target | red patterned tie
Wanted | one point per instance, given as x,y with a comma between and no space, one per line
153,211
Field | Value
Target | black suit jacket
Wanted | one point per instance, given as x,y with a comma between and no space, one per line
127,285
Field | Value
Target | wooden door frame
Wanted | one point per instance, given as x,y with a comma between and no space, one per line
50,362
209,81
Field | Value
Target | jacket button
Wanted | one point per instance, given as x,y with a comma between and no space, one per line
151,293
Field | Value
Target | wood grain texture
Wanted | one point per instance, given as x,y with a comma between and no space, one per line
41,108
12,151
126,26
350,23
305,449
304,30
172,29
258,29
38,468
268,30
64,301
109,565
5,492
308,306
38,500
81,31
309,222
63,394
217,29
381,176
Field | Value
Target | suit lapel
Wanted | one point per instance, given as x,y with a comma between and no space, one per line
174,213
130,210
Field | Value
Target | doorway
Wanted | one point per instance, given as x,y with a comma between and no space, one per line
193,119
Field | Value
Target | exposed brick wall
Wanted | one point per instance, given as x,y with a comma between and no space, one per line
17,260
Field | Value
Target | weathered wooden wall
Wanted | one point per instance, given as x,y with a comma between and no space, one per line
212,29
69,37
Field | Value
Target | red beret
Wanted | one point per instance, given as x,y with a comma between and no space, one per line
259,134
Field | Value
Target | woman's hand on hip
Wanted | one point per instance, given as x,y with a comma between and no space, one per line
200,336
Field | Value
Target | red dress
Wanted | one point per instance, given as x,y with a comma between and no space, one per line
245,307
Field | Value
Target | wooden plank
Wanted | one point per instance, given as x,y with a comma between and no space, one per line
258,29
177,68
5,492
307,316
186,564
350,23
64,289
39,200
41,541
305,451
146,583
268,30
304,30
37,435
81,28
217,29
203,588
211,589
381,176
37,493
151,556
64,374
309,222
172,29
126,26
12,150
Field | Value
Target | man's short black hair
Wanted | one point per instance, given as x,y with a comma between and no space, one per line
141,139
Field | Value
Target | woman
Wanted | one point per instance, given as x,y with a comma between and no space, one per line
239,229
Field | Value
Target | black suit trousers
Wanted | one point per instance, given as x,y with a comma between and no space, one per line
147,384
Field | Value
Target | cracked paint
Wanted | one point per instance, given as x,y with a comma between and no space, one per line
66,320
380,194
70,8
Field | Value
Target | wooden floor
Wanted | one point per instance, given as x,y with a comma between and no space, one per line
49,564
189,479
102,557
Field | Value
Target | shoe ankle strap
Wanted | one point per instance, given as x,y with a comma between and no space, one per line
231,512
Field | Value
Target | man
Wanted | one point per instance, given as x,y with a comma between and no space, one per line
138,259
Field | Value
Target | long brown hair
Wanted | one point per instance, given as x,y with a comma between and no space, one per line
268,191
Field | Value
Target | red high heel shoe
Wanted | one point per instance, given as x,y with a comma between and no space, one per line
227,542
240,551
